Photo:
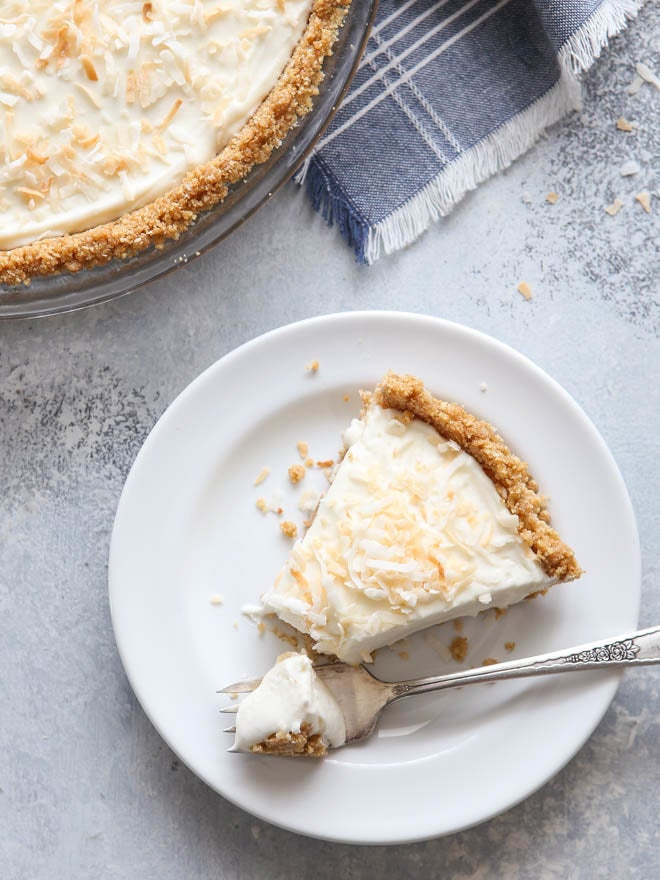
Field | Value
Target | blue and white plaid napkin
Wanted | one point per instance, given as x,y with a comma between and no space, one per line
448,93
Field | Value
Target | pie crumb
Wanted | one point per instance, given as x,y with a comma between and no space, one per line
325,464
296,473
346,398
623,125
458,625
261,476
217,599
614,208
459,648
309,462
525,290
261,505
312,367
303,449
288,528
509,646
489,661
645,200
404,655
552,198
261,627
499,612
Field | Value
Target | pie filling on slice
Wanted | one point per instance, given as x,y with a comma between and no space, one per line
429,517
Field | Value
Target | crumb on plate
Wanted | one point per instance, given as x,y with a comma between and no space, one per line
489,661
303,449
325,464
458,625
499,612
458,648
288,528
217,599
525,290
645,200
552,198
312,366
296,473
509,646
261,476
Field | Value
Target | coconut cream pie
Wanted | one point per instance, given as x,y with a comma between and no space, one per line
429,517
121,121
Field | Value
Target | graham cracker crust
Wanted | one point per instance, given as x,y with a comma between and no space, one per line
508,473
296,745
202,188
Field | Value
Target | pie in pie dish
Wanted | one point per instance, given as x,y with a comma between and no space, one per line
121,122
429,516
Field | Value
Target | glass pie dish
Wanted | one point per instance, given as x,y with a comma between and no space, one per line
68,291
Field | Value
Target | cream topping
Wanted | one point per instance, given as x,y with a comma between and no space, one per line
411,532
290,697
105,106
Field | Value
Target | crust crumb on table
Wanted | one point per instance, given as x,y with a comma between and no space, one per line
205,186
309,462
304,744
489,661
289,529
525,290
303,449
499,612
552,198
644,199
329,462
458,648
346,398
509,646
508,473
312,367
458,625
296,473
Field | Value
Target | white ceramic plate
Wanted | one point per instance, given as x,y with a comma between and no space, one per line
187,528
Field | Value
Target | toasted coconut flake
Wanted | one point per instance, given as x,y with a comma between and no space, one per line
88,67
614,208
623,125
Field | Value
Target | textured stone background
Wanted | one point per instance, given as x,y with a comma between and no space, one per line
87,787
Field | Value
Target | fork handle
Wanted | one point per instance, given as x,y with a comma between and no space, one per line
640,648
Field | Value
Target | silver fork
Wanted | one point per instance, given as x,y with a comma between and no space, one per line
363,697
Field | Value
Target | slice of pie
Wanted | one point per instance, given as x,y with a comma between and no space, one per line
121,122
429,517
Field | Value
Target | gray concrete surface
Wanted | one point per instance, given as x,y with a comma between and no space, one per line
87,787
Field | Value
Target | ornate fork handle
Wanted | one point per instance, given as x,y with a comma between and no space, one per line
635,649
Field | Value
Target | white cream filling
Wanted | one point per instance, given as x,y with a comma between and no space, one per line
105,106
290,697
410,533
